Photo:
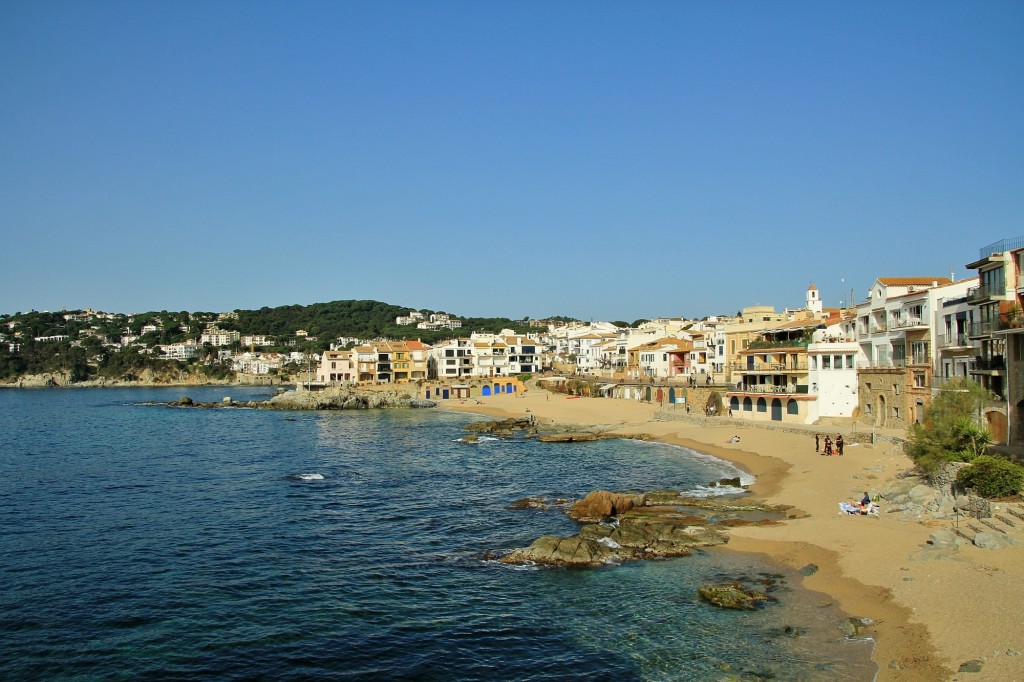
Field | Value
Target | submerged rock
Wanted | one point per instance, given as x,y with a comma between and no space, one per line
733,596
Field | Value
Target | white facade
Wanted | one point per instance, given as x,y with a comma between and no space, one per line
257,363
219,337
832,375
180,351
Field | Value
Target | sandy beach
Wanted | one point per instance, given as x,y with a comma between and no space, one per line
931,615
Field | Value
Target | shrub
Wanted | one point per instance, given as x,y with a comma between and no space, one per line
991,476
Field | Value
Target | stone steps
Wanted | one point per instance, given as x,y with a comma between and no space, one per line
1006,528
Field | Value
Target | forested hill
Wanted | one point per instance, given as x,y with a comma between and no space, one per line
362,319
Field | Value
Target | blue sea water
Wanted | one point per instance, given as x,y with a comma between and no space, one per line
144,542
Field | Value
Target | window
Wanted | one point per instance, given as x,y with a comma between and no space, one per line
814,362
896,412
896,389
849,362
826,362
919,381
867,407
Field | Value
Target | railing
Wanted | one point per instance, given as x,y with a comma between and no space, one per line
978,294
952,340
771,389
1001,246
769,367
795,343
877,327
921,359
912,322
993,363
980,329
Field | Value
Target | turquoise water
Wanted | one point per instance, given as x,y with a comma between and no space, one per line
143,542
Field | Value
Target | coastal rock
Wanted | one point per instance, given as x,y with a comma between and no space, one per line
601,504
555,551
340,398
733,596
502,427
852,627
942,538
971,666
569,437
994,540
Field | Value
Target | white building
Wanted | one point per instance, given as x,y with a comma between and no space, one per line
180,351
219,337
832,363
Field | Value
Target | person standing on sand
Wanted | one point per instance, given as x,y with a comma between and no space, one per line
817,442
828,446
839,443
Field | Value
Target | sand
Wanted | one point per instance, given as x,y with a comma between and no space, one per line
930,615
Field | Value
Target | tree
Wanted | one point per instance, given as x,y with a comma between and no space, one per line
950,431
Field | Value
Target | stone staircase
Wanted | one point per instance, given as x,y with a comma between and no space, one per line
1004,527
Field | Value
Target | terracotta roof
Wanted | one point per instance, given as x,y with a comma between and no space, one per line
912,281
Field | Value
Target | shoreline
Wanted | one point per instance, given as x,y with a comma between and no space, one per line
929,615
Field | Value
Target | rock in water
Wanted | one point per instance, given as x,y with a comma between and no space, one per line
556,551
601,504
733,596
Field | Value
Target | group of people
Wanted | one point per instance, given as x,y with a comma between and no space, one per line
829,443
864,508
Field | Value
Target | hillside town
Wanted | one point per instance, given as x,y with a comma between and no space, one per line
877,361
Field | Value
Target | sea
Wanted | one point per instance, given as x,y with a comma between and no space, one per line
143,542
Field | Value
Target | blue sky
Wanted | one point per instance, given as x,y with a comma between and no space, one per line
606,160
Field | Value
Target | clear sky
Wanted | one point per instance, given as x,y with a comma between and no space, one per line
606,160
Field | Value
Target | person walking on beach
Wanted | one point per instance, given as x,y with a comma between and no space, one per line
828,446
839,444
817,442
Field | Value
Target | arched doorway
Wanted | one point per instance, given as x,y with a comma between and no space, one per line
776,410
996,422
509,387
672,395
734,404
486,391
793,407
747,404
880,413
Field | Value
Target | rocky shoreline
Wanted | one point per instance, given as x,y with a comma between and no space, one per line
628,526
330,399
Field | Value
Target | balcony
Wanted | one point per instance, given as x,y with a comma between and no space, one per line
769,367
910,323
978,329
958,340
979,294
771,389
879,327
761,345
994,363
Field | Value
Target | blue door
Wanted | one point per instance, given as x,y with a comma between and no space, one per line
486,391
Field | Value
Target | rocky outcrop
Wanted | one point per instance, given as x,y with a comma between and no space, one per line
345,398
733,596
632,528
573,551
601,504
506,428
